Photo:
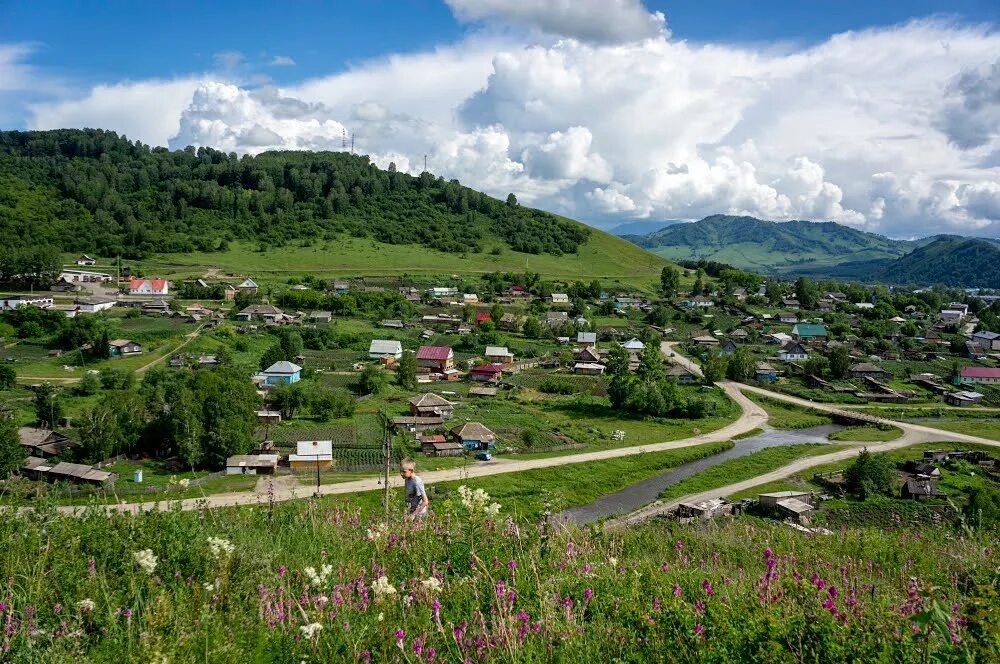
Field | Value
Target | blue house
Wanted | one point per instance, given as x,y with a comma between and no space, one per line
765,373
473,436
282,373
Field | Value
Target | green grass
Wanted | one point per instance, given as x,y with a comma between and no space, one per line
867,434
744,468
782,415
603,256
984,428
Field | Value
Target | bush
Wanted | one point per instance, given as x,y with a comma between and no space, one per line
553,386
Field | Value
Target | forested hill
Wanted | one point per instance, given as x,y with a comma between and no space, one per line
94,191
950,261
770,247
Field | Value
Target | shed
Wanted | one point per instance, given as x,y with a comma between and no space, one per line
312,453
796,510
431,405
79,473
251,464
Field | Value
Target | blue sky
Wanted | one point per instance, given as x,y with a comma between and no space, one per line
95,41
882,115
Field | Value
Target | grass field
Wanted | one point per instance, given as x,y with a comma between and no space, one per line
987,428
867,434
786,416
602,257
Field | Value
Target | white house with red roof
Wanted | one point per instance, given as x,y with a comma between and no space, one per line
148,287
981,375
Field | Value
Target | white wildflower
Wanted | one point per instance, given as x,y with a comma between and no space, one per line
318,578
146,560
183,483
477,501
432,584
86,605
220,547
382,588
311,630
613,561
378,533
407,601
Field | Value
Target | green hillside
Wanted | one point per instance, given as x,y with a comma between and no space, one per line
770,247
950,261
92,191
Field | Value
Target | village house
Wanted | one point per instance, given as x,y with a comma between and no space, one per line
44,443
499,355
868,370
698,302
977,375
987,340
588,369
482,391
470,298
92,305
62,286
739,335
392,323
556,318
740,294
431,405
473,436
790,303
261,312
124,347
486,373
482,317
633,345
439,446
252,464
765,373
508,322
321,316
951,316
919,490
148,287
705,339
86,260
629,302
706,509
682,375
12,302
282,372
84,276
587,354
380,348
311,453
248,286
268,416
788,318
78,473
963,398
810,333
727,347
559,298
586,339
438,359
793,352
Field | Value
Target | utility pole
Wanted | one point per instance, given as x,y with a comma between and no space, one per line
386,453
425,163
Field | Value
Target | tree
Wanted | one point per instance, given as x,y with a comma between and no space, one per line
805,293
326,403
741,365
840,362
870,475
532,328
372,380
714,367
670,280
12,452
99,434
511,200
288,398
291,344
620,385
816,366
496,313
272,355
699,282
774,291
186,431
8,377
48,408
650,363
406,370
983,507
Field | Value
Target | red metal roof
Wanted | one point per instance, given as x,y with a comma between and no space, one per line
156,284
488,369
433,352
979,372
482,317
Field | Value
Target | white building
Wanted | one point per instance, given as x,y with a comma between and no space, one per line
15,301
92,305
149,287
84,276
379,348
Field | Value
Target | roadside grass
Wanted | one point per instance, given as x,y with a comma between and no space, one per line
747,467
867,434
984,428
782,415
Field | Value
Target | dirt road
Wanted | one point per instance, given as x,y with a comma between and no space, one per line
667,348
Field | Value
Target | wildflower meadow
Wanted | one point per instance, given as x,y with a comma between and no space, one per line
327,581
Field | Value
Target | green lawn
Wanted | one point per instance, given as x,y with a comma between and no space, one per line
782,415
867,434
984,428
603,256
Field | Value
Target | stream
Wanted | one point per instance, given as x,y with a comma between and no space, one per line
646,491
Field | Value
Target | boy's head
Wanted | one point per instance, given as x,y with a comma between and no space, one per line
407,467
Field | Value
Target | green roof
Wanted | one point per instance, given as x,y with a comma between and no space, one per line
809,330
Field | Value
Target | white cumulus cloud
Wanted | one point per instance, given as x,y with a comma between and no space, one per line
600,21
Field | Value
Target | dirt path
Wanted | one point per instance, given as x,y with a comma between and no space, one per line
671,355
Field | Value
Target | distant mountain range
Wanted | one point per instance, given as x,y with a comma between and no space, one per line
642,227
827,249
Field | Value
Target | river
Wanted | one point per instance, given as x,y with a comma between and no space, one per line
646,491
